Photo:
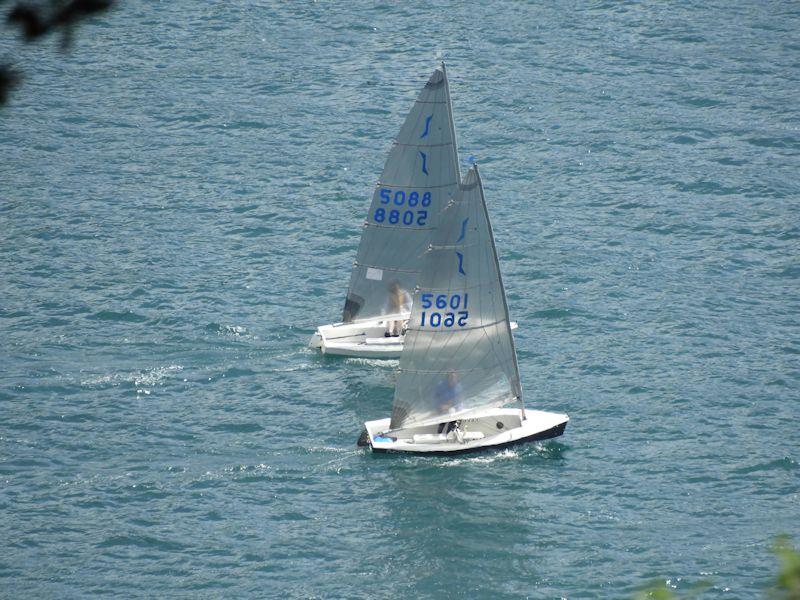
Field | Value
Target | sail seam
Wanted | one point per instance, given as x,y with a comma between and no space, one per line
447,289
392,269
483,326
396,143
453,246
416,187
398,227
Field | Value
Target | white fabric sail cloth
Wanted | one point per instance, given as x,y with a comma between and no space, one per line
459,353
420,176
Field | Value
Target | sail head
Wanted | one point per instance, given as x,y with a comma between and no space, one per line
420,175
458,354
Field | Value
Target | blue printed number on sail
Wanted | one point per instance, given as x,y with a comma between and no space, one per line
444,310
401,207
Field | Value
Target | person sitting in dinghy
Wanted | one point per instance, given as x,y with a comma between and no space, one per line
448,398
398,301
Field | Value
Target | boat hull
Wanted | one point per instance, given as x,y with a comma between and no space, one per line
361,339
537,426
364,339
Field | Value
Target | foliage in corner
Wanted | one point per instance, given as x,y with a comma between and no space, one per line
36,19
787,583
785,587
658,591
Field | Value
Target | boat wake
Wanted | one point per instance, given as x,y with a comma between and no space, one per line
372,362
488,458
147,378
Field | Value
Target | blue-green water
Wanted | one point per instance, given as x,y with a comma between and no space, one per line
181,197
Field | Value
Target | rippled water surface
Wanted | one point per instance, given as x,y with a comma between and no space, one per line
180,203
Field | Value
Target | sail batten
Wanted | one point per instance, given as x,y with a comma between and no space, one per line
425,145
385,268
459,415
419,177
459,354
450,184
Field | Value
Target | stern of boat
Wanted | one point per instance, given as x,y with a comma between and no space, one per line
365,339
316,340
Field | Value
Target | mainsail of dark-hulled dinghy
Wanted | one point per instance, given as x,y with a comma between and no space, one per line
459,354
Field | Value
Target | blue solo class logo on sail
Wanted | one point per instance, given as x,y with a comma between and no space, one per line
427,127
397,216
443,317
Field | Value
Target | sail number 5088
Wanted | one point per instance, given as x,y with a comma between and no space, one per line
443,317
395,216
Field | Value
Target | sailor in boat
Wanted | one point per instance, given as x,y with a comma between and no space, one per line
448,399
398,301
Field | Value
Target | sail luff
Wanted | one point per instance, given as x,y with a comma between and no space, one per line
450,118
517,380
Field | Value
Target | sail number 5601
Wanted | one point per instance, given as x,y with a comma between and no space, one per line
395,216
443,317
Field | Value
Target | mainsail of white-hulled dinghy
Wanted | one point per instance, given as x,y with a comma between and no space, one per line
459,354
420,176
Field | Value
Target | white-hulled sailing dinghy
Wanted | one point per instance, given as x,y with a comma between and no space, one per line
459,370
420,176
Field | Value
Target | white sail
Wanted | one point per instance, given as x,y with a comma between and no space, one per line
459,353
420,176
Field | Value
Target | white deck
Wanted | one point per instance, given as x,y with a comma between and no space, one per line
495,427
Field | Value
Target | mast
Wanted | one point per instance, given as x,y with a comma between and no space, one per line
518,382
450,117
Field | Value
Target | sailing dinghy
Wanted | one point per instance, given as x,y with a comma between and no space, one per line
420,176
458,371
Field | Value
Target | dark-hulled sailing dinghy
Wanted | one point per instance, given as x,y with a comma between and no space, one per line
458,370
420,176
